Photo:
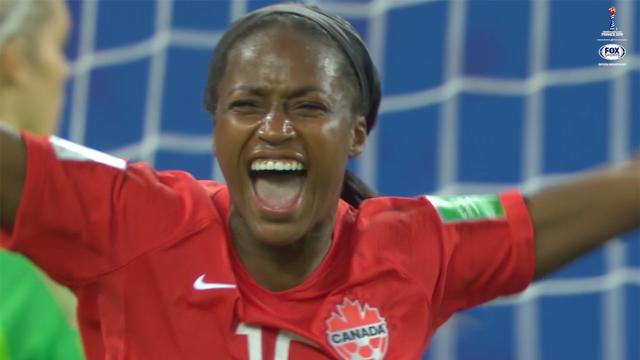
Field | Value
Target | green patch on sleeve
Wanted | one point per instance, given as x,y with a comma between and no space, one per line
467,208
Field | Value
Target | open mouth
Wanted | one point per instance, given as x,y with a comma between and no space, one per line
278,183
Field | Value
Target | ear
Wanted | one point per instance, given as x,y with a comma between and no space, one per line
358,136
12,62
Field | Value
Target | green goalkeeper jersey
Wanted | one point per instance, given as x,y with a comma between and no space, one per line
31,323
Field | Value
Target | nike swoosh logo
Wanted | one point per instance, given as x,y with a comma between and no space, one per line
200,284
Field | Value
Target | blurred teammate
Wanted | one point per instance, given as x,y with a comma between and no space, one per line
32,71
275,265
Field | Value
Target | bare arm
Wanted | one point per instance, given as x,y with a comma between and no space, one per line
12,173
574,218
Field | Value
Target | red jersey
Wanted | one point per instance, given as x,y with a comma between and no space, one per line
149,256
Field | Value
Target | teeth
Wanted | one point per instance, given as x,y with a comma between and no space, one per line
277,165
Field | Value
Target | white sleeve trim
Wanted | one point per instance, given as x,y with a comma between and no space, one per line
69,151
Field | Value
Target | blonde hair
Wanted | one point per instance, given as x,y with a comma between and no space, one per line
23,18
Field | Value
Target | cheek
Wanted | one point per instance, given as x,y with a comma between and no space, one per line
333,127
335,135
229,135
221,141
60,68
54,64
63,69
49,82
330,146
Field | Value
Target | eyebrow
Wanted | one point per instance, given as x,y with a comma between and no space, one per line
257,90
252,89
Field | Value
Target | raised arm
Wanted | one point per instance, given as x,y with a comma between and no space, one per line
576,217
12,173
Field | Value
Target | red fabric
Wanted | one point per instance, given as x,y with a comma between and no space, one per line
132,242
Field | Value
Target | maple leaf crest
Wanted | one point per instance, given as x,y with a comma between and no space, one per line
357,331
352,314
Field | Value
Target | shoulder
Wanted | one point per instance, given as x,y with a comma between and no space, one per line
398,235
446,209
395,223
206,199
396,209
175,179
433,217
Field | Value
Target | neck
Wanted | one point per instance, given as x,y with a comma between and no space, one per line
279,268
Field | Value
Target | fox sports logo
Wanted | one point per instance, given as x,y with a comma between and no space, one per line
612,52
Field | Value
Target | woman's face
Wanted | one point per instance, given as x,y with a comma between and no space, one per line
43,76
284,104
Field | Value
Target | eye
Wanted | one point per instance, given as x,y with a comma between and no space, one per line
245,106
310,108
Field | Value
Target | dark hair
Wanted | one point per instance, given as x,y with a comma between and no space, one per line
354,190
338,33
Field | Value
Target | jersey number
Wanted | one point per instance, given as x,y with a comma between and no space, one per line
254,342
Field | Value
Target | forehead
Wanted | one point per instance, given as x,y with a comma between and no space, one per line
281,55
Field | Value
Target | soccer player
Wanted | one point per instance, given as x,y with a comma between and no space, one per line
32,71
275,265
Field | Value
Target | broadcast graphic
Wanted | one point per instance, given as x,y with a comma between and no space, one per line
612,52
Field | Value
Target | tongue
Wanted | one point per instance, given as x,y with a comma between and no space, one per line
279,191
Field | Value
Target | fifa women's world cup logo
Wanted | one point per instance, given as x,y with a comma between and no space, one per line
613,25
612,19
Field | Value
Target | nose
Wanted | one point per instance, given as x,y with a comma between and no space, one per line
276,128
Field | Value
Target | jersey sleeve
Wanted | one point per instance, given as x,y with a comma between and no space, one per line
483,249
84,213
